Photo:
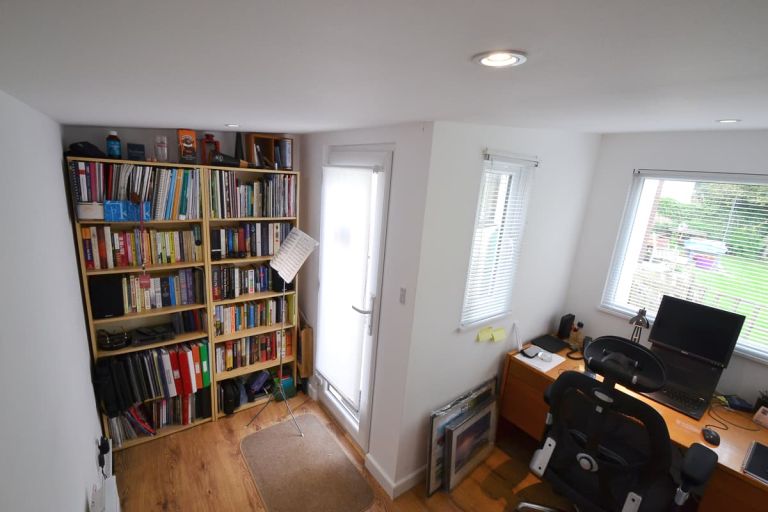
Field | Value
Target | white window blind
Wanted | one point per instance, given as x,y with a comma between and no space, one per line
701,237
496,241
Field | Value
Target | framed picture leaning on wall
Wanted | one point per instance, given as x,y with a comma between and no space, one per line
458,409
468,442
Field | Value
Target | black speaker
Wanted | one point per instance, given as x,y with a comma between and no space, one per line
106,294
566,323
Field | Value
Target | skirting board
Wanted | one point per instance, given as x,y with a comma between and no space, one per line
393,489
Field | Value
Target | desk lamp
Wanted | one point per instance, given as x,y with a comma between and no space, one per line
639,321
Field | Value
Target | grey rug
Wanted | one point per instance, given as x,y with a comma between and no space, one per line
310,473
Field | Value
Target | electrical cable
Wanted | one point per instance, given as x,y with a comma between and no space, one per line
724,423
577,357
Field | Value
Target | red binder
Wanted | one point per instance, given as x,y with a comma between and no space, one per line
176,373
198,369
185,365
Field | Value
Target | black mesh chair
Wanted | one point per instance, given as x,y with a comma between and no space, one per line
606,451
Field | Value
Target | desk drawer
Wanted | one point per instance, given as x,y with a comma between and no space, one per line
531,376
725,491
523,405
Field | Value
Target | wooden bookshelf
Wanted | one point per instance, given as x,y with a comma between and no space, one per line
244,370
162,315
165,431
146,314
252,296
251,219
255,331
247,405
180,338
148,268
147,223
242,261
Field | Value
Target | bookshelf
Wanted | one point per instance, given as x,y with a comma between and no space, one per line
180,245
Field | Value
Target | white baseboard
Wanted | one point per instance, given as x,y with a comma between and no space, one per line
393,489
406,483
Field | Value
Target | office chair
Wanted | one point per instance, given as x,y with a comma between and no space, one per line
606,451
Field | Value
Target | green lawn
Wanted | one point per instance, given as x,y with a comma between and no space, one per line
739,284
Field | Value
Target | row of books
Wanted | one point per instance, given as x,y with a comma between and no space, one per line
248,240
172,193
247,315
189,321
147,419
252,349
230,281
180,288
104,248
273,195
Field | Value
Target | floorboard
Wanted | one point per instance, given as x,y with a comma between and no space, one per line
202,469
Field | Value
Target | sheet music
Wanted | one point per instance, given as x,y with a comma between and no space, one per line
293,252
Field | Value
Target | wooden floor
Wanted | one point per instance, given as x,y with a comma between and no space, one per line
202,469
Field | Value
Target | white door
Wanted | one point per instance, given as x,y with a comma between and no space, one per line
355,192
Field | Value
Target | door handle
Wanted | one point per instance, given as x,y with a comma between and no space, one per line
368,312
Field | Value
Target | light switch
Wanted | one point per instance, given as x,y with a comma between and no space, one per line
402,295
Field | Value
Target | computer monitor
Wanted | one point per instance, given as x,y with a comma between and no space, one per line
696,330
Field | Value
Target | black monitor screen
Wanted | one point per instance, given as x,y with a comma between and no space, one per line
701,331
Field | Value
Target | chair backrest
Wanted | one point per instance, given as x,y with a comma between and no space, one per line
609,451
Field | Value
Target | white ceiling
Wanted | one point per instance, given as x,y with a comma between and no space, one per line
309,65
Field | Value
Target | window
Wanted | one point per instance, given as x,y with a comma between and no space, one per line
496,241
701,237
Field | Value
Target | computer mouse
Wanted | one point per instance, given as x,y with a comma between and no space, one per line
711,436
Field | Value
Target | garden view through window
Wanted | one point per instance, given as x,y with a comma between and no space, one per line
697,237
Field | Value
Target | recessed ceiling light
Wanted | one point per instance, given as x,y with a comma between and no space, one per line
500,58
232,125
725,121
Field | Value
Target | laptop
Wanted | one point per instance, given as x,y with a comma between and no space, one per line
695,343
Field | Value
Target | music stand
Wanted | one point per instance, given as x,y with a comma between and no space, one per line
293,252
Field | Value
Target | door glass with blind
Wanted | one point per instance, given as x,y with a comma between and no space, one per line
499,224
698,237
351,221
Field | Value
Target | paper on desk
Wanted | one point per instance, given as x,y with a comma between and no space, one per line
294,250
540,365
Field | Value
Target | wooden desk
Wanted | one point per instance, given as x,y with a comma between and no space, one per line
522,403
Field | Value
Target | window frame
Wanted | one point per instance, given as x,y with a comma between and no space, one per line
607,304
525,168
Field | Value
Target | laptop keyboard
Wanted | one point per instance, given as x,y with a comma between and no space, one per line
681,400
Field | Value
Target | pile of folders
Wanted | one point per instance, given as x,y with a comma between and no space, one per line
144,391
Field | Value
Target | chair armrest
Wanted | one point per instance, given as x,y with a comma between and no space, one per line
698,465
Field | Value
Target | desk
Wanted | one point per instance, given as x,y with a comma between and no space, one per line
522,404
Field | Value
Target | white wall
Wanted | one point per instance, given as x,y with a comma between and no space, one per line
443,362
735,151
406,211
49,422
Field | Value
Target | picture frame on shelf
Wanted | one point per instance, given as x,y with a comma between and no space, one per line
468,442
